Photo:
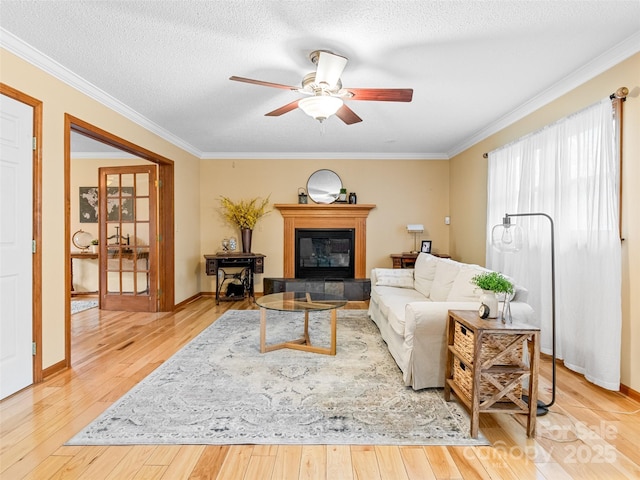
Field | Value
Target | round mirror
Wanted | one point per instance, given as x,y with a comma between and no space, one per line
324,186
81,239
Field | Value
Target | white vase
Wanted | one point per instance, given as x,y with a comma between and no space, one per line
490,299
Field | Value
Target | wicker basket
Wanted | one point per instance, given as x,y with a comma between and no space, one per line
492,345
463,377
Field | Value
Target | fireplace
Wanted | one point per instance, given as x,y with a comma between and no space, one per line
328,217
349,221
324,252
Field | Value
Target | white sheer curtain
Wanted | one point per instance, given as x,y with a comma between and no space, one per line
568,170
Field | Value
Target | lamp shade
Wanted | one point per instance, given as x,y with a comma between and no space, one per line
415,228
320,107
507,237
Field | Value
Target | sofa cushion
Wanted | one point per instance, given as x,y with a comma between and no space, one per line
401,278
446,272
462,289
424,273
382,295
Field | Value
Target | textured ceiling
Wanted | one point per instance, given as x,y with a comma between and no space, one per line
473,66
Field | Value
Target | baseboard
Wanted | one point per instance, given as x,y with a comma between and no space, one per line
188,300
624,390
630,392
53,369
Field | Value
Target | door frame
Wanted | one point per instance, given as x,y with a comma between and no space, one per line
36,266
165,231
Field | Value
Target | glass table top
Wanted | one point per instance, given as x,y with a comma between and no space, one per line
300,301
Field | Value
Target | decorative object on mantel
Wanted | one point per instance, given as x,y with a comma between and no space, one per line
492,283
415,228
353,198
324,186
245,214
342,196
302,195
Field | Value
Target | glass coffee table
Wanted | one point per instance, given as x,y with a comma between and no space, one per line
299,302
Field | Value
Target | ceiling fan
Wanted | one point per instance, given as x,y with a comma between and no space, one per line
324,93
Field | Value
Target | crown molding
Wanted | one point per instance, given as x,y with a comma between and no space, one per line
115,155
321,156
595,67
18,47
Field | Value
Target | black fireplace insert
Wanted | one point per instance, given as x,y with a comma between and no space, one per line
325,253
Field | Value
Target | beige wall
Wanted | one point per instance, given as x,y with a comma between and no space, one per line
468,193
59,98
404,191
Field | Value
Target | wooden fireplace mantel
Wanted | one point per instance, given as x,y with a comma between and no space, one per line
325,216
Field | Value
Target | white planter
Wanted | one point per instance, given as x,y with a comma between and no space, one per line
490,299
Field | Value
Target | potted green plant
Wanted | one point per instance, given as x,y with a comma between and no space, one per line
492,283
244,214
94,245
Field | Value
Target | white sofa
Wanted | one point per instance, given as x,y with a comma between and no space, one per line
410,306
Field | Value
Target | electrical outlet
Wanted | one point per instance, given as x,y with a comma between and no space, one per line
447,220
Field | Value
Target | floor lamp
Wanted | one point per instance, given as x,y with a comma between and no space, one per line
508,237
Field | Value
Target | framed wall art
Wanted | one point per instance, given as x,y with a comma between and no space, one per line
88,204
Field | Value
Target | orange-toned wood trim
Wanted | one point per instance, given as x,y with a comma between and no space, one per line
166,244
192,298
630,392
166,272
325,216
36,265
55,368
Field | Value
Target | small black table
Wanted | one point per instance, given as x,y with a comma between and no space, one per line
251,263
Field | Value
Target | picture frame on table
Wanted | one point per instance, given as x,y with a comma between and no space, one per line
426,246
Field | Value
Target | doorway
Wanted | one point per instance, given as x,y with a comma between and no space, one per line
164,214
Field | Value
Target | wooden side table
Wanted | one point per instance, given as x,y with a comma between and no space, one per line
408,259
485,366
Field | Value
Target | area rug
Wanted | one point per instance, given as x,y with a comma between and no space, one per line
219,389
81,305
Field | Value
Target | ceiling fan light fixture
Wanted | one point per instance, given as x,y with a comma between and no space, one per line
320,107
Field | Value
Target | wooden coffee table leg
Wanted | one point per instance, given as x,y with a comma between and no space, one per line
333,331
307,340
263,330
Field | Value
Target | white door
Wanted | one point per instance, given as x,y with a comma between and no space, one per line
16,202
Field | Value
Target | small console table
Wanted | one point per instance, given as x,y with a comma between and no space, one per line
485,366
250,263
408,259
83,256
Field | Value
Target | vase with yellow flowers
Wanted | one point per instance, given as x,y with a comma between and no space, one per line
244,214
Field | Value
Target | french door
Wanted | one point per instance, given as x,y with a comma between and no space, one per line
127,238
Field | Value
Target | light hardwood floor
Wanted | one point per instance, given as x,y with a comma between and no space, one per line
591,433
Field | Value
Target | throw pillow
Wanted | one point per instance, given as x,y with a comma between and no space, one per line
424,273
446,272
401,278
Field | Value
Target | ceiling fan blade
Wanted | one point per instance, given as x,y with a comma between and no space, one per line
282,110
382,94
330,67
347,115
260,82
